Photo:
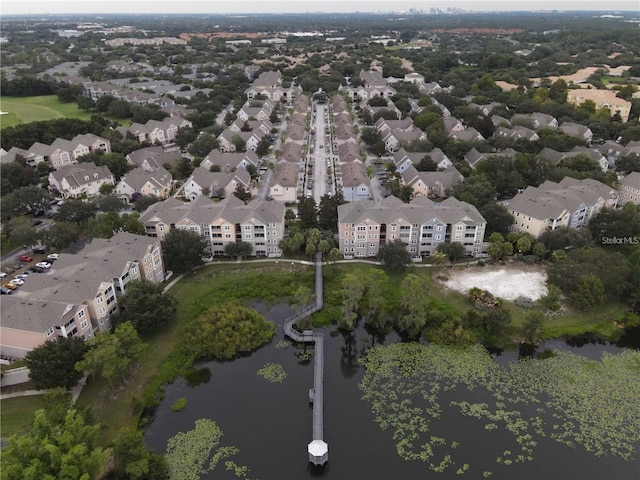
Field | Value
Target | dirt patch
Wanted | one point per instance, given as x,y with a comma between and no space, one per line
504,282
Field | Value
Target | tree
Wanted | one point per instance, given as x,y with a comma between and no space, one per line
183,250
143,202
64,449
589,292
498,218
108,203
415,305
146,306
373,302
352,292
307,212
532,328
328,212
52,364
76,211
426,164
454,251
242,193
334,255
135,460
111,355
23,233
238,249
394,255
551,301
452,333
239,143
202,145
370,135
61,235
30,199
262,150
564,238
224,331
609,223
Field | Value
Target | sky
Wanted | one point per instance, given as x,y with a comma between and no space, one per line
10,7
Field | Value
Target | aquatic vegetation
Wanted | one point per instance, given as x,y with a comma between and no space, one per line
179,405
273,372
196,452
283,344
305,356
197,376
591,404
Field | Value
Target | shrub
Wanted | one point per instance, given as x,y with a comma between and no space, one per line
179,405
524,302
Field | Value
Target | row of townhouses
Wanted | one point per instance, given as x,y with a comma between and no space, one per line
60,153
78,295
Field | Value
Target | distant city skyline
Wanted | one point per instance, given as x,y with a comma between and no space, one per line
15,7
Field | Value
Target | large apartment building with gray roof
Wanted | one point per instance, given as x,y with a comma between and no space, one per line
423,225
78,295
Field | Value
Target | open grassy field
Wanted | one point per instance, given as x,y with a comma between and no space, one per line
18,412
31,109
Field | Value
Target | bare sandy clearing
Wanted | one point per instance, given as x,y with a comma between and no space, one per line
504,282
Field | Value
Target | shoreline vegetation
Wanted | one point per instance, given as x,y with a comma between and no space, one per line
133,403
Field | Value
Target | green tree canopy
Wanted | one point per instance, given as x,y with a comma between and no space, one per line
52,364
394,255
60,450
226,331
146,306
183,250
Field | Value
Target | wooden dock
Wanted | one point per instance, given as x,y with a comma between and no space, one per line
317,449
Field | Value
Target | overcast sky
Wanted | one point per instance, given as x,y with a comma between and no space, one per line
8,7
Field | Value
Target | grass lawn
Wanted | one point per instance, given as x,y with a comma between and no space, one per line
30,109
18,412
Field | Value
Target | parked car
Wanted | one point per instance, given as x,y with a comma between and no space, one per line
3,274
35,269
5,291
39,250
52,257
10,286
35,223
23,276
17,281
25,258
45,265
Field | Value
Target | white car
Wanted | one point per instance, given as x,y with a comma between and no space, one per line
43,265
3,274
23,276
17,281
53,257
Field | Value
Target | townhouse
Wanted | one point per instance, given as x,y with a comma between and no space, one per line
143,182
61,152
203,182
260,223
80,180
432,184
151,158
229,161
423,225
269,85
156,132
374,86
285,182
569,203
403,159
78,296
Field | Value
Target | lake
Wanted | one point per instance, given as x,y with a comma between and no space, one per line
270,423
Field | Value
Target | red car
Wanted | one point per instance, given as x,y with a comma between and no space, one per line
25,258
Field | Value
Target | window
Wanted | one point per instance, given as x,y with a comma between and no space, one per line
99,299
83,324
50,332
81,314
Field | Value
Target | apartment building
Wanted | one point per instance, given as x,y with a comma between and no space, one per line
423,225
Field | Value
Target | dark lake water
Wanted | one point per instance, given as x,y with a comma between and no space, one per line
270,423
